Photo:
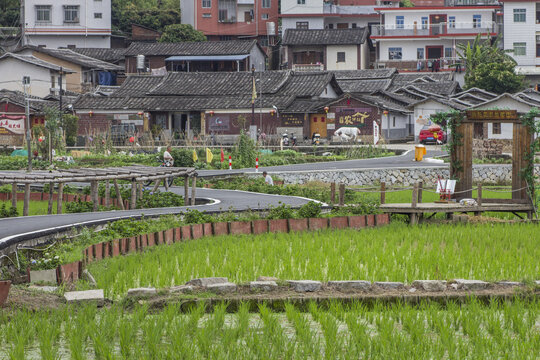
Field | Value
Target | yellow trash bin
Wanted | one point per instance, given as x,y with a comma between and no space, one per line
419,152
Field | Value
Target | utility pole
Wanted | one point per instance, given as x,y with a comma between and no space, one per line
254,94
26,83
23,24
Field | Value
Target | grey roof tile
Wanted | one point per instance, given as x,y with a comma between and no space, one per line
76,58
137,85
104,54
325,36
364,86
233,47
30,59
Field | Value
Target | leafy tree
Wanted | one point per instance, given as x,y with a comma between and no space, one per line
406,3
154,14
181,33
70,124
489,67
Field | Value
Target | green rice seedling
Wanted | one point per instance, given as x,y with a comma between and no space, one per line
152,331
49,330
309,344
279,345
75,332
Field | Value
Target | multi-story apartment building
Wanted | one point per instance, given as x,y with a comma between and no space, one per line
413,38
335,14
522,36
67,23
233,19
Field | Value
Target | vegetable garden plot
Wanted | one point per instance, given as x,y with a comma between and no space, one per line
488,252
472,331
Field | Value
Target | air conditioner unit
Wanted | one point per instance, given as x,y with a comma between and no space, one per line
381,66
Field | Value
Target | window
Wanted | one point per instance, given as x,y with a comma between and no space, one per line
520,15
301,2
477,21
420,53
264,16
225,38
394,53
496,128
424,22
43,13
206,4
302,25
71,13
452,22
399,22
264,41
537,50
520,48
266,4
393,121
341,56
330,26
447,52
98,16
353,25
206,15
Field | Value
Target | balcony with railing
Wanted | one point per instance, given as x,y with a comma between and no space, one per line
440,29
424,65
308,67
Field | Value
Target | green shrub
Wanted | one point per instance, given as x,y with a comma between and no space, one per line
197,217
244,153
182,157
159,199
310,210
6,212
79,206
282,211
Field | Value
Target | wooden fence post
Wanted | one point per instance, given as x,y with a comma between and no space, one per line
383,192
420,188
107,193
341,194
60,196
119,195
193,185
51,195
186,190
133,203
414,196
94,195
14,195
26,199
479,196
333,193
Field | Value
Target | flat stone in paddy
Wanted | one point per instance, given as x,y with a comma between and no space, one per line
537,282
509,283
350,285
49,289
263,285
204,282
267,278
430,285
465,284
183,289
222,288
85,296
389,285
305,285
141,292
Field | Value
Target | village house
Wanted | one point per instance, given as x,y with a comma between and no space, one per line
235,55
87,72
326,49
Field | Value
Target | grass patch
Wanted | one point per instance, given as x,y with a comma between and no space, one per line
393,253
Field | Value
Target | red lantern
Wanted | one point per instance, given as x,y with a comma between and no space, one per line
385,112
132,139
90,113
326,108
40,139
140,113
272,112
211,112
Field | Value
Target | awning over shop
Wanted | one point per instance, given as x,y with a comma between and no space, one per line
208,58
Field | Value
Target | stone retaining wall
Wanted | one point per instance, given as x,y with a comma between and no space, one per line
487,174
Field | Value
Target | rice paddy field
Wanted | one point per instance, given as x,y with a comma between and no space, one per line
398,252
500,330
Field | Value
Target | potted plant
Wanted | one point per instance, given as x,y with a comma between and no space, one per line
5,285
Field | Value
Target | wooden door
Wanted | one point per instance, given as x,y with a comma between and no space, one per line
317,124
343,25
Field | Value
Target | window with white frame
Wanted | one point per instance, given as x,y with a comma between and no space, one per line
447,52
477,21
71,13
451,22
266,4
301,2
420,53
98,16
520,15
520,48
400,21
265,17
395,53
302,25
43,13
206,4
206,15
424,22
341,56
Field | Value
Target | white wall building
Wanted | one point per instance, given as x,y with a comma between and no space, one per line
44,76
320,14
409,36
68,23
522,36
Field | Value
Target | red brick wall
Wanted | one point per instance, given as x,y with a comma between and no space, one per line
269,123
353,103
154,61
139,33
95,123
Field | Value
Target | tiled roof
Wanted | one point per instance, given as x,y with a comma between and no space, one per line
430,88
363,86
325,37
475,93
76,58
445,101
37,104
233,47
103,54
30,59
137,85
364,74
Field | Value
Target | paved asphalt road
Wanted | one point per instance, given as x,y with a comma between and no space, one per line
13,230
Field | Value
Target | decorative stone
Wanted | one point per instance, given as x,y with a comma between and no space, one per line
263,285
141,292
305,285
44,276
207,281
88,277
222,288
430,285
267,278
471,284
350,285
509,283
85,296
48,289
411,290
389,285
184,289
454,286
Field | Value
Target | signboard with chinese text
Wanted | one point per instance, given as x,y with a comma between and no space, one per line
219,123
291,120
493,115
11,126
357,117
